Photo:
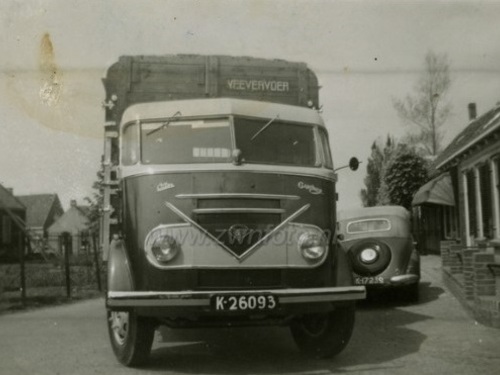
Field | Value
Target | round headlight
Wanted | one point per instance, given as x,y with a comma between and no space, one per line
368,255
312,246
165,248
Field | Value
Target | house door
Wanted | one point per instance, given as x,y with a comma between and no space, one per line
432,227
65,243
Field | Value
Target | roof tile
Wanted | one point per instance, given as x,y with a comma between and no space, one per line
470,135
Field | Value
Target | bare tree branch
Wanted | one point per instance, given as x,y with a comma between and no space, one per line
426,110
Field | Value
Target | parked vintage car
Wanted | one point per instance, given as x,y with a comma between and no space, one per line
379,242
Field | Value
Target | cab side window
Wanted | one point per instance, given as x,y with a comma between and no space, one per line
327,155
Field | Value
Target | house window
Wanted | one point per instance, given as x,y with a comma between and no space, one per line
6,230
486,200
471,202
450,222
495,187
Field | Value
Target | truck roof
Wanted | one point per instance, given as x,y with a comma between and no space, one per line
221,106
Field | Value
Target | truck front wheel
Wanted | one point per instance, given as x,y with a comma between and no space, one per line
324,335
131,337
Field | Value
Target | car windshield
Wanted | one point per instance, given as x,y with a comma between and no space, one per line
275,142
179,142
368,225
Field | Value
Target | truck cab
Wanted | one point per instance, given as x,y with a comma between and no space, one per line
225,215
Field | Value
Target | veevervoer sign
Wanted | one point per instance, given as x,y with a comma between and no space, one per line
257,85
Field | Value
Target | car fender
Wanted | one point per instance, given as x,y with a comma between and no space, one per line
119,272
414,263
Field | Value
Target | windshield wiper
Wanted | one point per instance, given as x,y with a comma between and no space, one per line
264,127
165,124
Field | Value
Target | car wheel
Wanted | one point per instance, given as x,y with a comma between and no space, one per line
324,335
131,337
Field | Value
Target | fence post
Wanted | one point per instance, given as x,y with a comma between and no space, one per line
22,267
96,262
67,244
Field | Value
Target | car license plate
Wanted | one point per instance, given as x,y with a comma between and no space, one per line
252,302
358,280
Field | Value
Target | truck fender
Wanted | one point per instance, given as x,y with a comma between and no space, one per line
342,266
119,272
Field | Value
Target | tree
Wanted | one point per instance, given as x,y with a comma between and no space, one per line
404,175
95,202
374,171
426,108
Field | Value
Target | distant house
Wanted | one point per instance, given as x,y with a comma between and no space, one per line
12,214
42,210
74,222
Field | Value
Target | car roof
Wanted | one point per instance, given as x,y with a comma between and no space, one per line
377,211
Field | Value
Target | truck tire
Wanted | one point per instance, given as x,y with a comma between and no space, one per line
324,335
131,337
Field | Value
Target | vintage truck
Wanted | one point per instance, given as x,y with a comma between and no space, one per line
219,203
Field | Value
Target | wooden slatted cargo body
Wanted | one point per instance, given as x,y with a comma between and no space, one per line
140,79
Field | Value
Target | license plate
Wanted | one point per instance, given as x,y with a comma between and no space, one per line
368,280
244,302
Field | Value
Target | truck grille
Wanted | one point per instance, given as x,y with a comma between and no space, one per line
233,279
238,220
238,231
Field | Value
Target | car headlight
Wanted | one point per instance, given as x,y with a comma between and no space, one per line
165,248
312,246
369,255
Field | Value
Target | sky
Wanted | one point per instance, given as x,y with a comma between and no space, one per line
365,54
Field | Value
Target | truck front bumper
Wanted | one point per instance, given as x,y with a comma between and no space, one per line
117,299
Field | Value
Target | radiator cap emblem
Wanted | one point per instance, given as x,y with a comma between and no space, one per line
238,232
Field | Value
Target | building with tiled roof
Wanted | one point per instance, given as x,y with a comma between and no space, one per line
462,205
42,210
473,161
478,132
12,217
74,222
467,175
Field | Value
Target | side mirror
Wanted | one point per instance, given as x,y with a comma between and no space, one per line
354,163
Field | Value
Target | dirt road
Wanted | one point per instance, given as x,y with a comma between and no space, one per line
435,336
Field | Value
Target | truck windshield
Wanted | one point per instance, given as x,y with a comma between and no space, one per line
180,142
265,142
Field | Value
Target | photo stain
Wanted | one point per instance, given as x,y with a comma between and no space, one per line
50,77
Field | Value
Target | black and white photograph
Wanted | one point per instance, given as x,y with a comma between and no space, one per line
249,187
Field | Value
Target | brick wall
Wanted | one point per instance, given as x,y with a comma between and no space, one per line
473,276
445,252
484,279
468,268
456,259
